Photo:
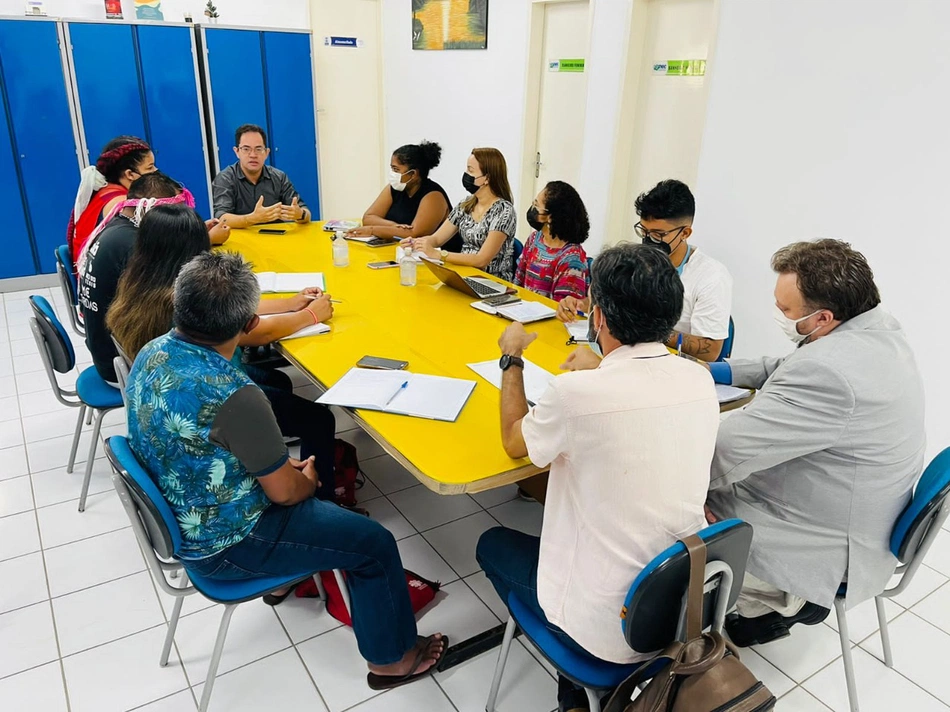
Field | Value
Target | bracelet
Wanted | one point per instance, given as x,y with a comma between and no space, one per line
314,317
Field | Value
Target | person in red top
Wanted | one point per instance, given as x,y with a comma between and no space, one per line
105,185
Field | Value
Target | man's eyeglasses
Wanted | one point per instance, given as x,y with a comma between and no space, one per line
256,150
657,235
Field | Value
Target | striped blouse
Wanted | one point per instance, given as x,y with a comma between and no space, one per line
553,272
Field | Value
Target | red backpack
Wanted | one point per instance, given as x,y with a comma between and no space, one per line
346,474
421,593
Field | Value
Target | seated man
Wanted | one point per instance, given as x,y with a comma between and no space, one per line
825,458
666,222
629,445
250,193
246,509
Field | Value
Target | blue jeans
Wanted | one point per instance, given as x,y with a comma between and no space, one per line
318,536
509,559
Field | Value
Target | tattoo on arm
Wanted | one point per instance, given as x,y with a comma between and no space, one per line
700,347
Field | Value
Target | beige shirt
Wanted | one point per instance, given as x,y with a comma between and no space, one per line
629,445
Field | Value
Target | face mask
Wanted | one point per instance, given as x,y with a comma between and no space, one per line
593,335
468,182
395,181
663,247
790,326
532,218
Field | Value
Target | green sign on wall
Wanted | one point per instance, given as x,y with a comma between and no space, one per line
566,65
681,67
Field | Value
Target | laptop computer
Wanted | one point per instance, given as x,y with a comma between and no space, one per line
472,286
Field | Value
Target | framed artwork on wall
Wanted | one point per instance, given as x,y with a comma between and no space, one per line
449,24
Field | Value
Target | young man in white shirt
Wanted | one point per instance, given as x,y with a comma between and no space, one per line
666,222
629,444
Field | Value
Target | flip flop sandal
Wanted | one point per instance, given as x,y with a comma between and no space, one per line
273,599
387,682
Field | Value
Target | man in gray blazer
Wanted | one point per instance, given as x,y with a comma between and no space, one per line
824,459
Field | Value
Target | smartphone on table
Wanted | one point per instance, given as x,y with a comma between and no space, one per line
272,231
383,265
385,364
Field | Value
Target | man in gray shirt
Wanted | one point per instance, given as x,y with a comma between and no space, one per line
249,192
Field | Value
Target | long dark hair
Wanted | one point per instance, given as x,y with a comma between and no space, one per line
121,154
168,238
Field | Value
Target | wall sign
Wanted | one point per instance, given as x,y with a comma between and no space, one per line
342,42
681,67
565,65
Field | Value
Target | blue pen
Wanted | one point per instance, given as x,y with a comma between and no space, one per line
398,391
581,314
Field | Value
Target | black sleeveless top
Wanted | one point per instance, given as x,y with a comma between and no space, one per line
405,207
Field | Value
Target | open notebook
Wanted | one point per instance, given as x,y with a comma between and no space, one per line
289,281
578,330
311,330
401,392
536,379
728,394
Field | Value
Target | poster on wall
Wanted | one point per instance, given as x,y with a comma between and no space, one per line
449,24
113,9
149,10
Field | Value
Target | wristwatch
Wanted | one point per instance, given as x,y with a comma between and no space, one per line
507,361
443,254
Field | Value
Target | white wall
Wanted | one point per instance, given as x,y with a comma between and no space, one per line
288,14
829,119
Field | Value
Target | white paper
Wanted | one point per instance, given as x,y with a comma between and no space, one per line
334,225
526,312
365,388
289,282
728,394
483,307
577,330
311,330
536,379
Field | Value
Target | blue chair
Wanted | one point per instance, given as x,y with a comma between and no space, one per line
519,248
92,393
653,615
159,537
67,282
913,534
726,351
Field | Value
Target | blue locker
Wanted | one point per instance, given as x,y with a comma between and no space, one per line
176,131
107,80
289,73
42,127
15,244
237,85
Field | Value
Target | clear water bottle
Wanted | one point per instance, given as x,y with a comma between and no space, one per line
341,250
407,268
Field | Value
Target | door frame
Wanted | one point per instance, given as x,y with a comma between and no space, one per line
532,93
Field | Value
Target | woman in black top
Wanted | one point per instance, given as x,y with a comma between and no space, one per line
411,205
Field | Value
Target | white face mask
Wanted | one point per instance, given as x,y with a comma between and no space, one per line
790,326
395,181
593,336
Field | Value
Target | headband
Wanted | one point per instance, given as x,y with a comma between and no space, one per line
112,157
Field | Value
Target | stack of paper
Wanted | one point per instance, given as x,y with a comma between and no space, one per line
311,330
536,379
334,225
526,312
728,394
401,392
289,281
578,330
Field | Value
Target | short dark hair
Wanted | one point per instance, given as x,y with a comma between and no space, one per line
569,221
668,200
422,157
831,275
154,185
216,295
249,128
639,292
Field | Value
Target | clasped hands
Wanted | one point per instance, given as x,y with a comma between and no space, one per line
277,211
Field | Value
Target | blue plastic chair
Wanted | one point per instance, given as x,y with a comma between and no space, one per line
67,283
653,615
726,351
913,534
519,248
159,537
92,393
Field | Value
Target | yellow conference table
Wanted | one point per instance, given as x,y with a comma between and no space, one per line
431,326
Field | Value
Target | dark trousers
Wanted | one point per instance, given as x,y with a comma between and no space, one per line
298,417
319,536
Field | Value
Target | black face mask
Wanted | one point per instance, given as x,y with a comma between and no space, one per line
468,182
658,244
532,218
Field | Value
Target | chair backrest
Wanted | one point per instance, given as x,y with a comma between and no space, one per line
121,376
67,278
157,517
654,603
927,509
519,248
729,342
51,337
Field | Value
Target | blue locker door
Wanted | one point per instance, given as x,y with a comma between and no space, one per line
43,130
289,72
173,108
237,85
107,79
15,245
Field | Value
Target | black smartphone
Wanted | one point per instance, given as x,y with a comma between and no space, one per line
501,300
383,265
272,231
385,364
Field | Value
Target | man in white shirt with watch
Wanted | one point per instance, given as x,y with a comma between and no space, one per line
629,444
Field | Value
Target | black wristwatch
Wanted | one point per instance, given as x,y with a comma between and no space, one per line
507,361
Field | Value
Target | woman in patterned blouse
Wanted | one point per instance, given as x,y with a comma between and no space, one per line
486,221
553,263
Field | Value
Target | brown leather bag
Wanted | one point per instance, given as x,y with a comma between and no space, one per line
703,674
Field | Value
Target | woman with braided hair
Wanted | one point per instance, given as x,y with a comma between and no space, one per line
105,185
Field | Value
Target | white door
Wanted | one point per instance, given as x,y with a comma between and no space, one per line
671,110
563,97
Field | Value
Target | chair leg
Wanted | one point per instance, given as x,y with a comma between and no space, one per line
78,433
593,698
89,417
885,633
100,414
172,627
344,591
500,665
216,655
845,636
321,591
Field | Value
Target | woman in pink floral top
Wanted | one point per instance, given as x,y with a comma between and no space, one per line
553,263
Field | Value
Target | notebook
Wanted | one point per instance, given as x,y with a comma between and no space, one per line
400,392
289,281
526,312
577,330
311,330
728,394
536,379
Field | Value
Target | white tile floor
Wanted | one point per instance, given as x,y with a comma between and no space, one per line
81,622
